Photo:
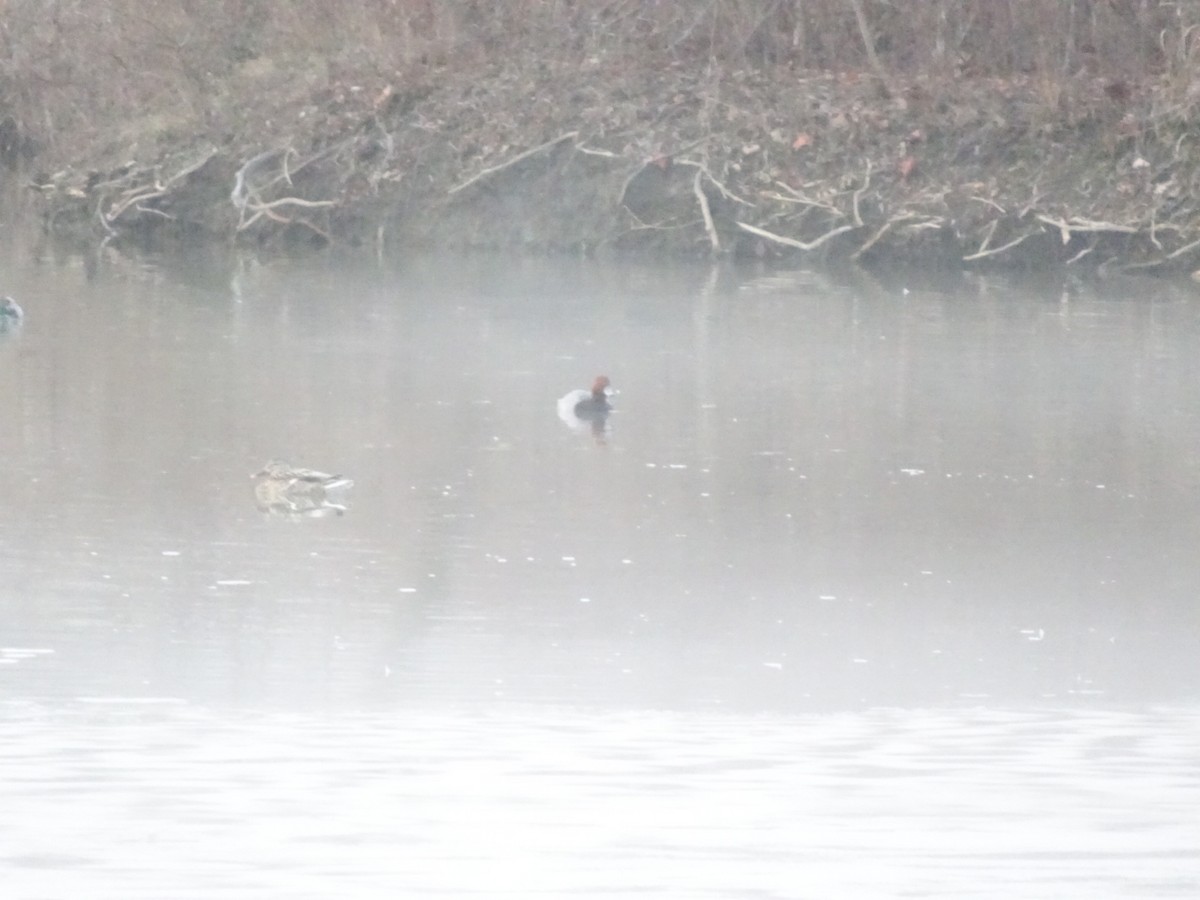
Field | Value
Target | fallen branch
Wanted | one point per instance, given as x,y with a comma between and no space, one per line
637,170
240,195
990,202
189,169
607,154
151,211
930,222
318,231
135,197
267,209
292,201
801,200
244,197
569,136
857,194
792,242
710,229
987,238
725,192
1184,249
985,253
104,221
1078,224
1084,226
880,233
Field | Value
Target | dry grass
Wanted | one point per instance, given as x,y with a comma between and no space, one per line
73,71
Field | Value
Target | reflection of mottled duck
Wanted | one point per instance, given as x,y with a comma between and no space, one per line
283,490
10,315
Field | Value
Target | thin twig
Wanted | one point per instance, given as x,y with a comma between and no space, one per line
803,201
710,229
1084,225
292,201
1079,224
533,151
792,242
150,210
188,170
607,154
239,196
148,194
880,233
1000,249
104,220
987,238
857,194
989,202
1063,228
725,192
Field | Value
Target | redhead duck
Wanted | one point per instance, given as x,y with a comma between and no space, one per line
587,405
282,489
582,409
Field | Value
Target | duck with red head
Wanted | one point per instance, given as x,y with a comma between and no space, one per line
580,407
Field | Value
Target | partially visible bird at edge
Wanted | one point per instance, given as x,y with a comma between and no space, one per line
11,314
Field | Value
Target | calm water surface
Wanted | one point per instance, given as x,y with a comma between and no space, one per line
866,591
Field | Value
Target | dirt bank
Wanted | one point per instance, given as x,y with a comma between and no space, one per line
602,150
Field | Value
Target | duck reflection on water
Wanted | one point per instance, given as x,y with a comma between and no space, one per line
290,492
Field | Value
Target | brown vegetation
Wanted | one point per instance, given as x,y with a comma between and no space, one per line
981,131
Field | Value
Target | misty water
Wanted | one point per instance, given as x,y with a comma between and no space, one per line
866,589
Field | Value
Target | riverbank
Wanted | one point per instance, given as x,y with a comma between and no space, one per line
615,152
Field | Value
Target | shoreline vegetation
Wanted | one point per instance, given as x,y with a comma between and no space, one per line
993,134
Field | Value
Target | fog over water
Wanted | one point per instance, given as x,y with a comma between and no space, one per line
865,589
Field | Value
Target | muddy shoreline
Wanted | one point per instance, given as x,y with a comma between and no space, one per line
592,159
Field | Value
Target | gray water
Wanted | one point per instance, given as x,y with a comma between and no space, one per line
867,590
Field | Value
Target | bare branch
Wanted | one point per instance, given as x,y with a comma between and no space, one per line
725,192
1001,249
792,242
857,194
710,229
880,233
533,151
